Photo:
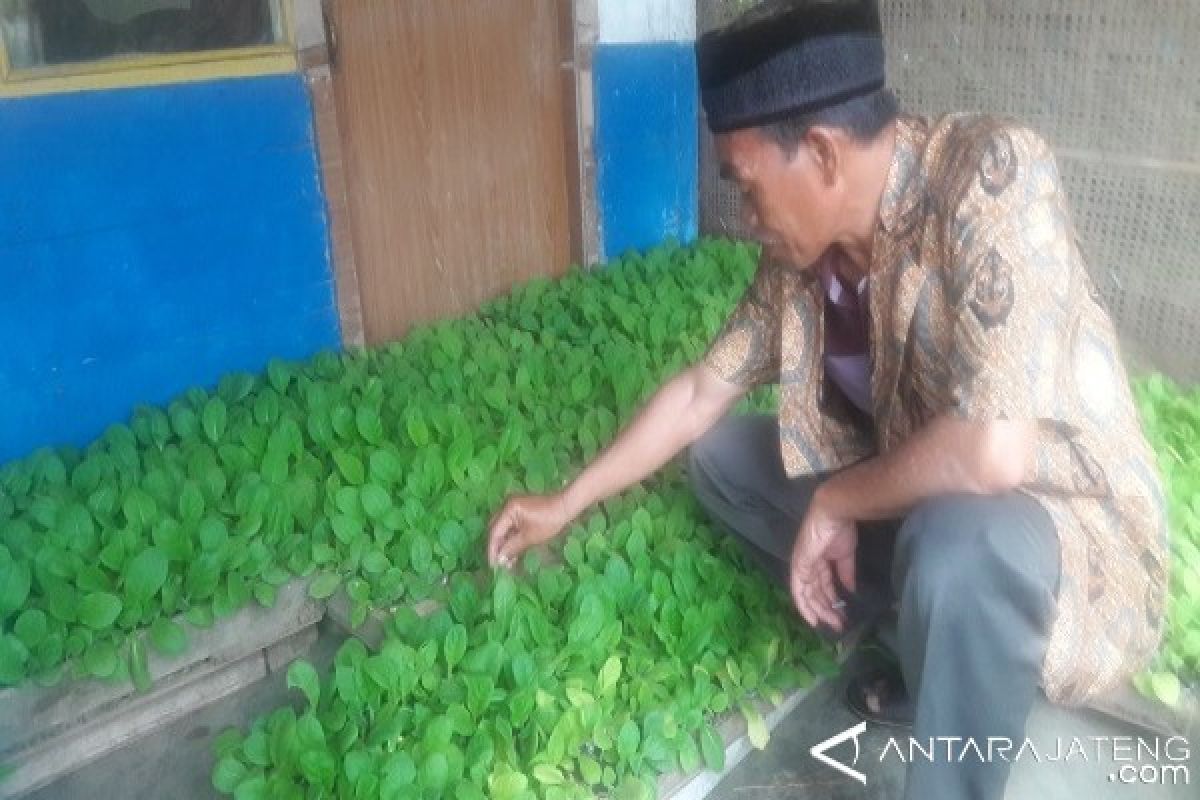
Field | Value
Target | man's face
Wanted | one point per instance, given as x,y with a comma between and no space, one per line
787,204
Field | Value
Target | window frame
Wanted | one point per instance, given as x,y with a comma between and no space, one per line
155,69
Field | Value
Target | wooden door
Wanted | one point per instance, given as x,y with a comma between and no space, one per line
457,125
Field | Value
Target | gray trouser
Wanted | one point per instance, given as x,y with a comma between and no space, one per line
974,579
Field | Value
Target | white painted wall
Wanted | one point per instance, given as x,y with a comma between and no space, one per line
635,21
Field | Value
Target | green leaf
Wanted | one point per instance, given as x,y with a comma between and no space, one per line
435,771
370,427
214,418
324,585
548,775
168,637
75,522
301,675
227,774
628,740
375,563
253,787
610,674
581,387
589,770
139,668
99,610
279,373
507,785
145,574
523,670
351,467
756,726
399,772
420,554
265,594
347,529
101,660
31,627
1166,688
256,749
15,580
455,645
13,658
200,616
213,534
376,501
417,429
140,508
689,755
712,748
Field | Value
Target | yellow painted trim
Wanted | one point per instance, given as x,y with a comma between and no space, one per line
152,75
154,70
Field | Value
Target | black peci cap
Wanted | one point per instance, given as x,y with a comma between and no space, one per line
789,58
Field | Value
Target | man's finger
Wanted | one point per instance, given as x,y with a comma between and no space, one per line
824,597
806,612
803,593
819,615
847,572
799,588
511,547
828,616
828,593
499,530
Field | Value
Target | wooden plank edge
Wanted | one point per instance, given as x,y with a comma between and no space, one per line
737,746
46,713
86,744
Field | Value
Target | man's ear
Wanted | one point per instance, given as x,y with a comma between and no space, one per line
823,148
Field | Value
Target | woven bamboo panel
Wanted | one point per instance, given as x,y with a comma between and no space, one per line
1115,87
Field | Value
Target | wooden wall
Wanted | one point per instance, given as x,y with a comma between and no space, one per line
458,144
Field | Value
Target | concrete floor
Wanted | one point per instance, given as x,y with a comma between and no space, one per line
176,763
786,770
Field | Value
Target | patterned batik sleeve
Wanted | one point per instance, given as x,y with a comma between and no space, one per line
746,350
1008,284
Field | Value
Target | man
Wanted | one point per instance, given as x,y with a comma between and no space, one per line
955,434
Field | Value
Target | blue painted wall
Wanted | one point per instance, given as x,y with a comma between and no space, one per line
646,144
153,239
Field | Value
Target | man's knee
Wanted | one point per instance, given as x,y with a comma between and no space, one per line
954,552
724,442
944,549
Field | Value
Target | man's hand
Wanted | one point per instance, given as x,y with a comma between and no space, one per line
825,546
524,521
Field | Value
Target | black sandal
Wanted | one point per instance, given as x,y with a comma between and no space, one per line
877,694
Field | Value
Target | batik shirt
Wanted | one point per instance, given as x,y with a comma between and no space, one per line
980,307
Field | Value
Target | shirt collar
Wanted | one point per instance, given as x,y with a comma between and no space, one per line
835,288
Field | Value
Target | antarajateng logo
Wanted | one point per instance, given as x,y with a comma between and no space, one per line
1128,759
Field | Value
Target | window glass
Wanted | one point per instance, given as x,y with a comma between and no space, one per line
57,32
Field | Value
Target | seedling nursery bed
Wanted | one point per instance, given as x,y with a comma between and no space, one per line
632,650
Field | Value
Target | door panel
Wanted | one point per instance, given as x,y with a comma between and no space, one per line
454,119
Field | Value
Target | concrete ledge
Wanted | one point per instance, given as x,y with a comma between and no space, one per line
677,786
46,733
29,714
340,611
82,744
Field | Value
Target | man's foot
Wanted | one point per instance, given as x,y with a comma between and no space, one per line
877,694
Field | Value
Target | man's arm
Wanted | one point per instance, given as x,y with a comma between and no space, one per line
949,455
678,414
675,416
